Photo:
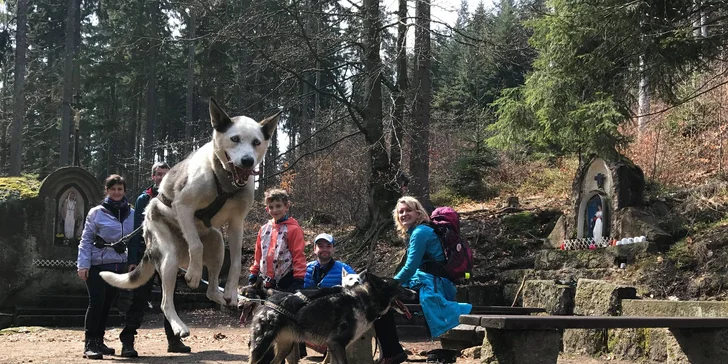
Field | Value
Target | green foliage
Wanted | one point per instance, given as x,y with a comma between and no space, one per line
19,188
549,180
682,255
488,53
469,173
583,83
447,196
522,223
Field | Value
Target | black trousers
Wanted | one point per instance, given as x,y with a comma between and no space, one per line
134,317
386,331
101,296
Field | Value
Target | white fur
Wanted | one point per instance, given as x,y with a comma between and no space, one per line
349,280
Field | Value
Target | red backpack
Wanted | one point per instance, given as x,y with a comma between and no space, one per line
458,255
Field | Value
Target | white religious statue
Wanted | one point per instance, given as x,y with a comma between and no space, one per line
69,212
597,231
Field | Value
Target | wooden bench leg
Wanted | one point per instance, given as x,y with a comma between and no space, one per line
699,346
520,346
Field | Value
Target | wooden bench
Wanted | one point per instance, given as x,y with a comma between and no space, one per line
537,339
488,310
461,336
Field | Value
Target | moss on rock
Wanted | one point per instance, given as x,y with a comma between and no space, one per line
18,188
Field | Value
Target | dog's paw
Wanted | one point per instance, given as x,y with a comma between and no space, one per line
180,329
193,277
231,298
216,296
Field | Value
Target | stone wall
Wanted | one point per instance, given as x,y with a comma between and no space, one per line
595,298
557,299
655,344
22,243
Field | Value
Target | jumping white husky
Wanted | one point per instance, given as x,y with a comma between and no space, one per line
212,187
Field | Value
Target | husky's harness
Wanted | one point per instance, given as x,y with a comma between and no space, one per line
207,213
280,310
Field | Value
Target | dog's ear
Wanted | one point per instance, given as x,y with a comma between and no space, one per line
218,117
269,124
344,273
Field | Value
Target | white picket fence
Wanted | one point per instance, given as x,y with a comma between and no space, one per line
585,243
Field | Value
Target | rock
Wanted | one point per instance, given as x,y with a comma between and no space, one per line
600,298
698,346
631,221
557,299
585,341
509,294
660,344
595,298
520,346
472,352
515,276
560,259
653,308
558,234
628,343
484,295
629,253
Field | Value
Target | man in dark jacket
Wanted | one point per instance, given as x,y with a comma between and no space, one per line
142,295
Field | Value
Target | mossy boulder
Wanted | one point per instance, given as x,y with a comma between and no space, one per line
18,188
557,299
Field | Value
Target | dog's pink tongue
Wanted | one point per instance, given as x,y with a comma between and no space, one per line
404,309
241,175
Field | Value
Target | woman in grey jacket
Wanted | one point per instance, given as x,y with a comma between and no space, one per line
105,224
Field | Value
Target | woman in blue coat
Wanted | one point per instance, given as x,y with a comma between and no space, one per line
105,224
436,294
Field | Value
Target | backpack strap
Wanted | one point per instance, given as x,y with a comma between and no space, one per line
431,266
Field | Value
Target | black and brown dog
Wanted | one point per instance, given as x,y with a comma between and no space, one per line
331,317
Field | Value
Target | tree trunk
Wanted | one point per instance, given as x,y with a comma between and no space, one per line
192,26
420,157
63,158
269,166
305,123
643,98
383,194
151,112
113,116
21,46
402,87
76,79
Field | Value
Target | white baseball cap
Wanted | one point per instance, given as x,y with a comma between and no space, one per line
324,236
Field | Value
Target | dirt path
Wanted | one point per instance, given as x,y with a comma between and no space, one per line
215,338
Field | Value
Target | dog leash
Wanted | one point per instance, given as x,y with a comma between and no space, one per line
124,241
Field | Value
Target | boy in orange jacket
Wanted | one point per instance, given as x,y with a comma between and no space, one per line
279,258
